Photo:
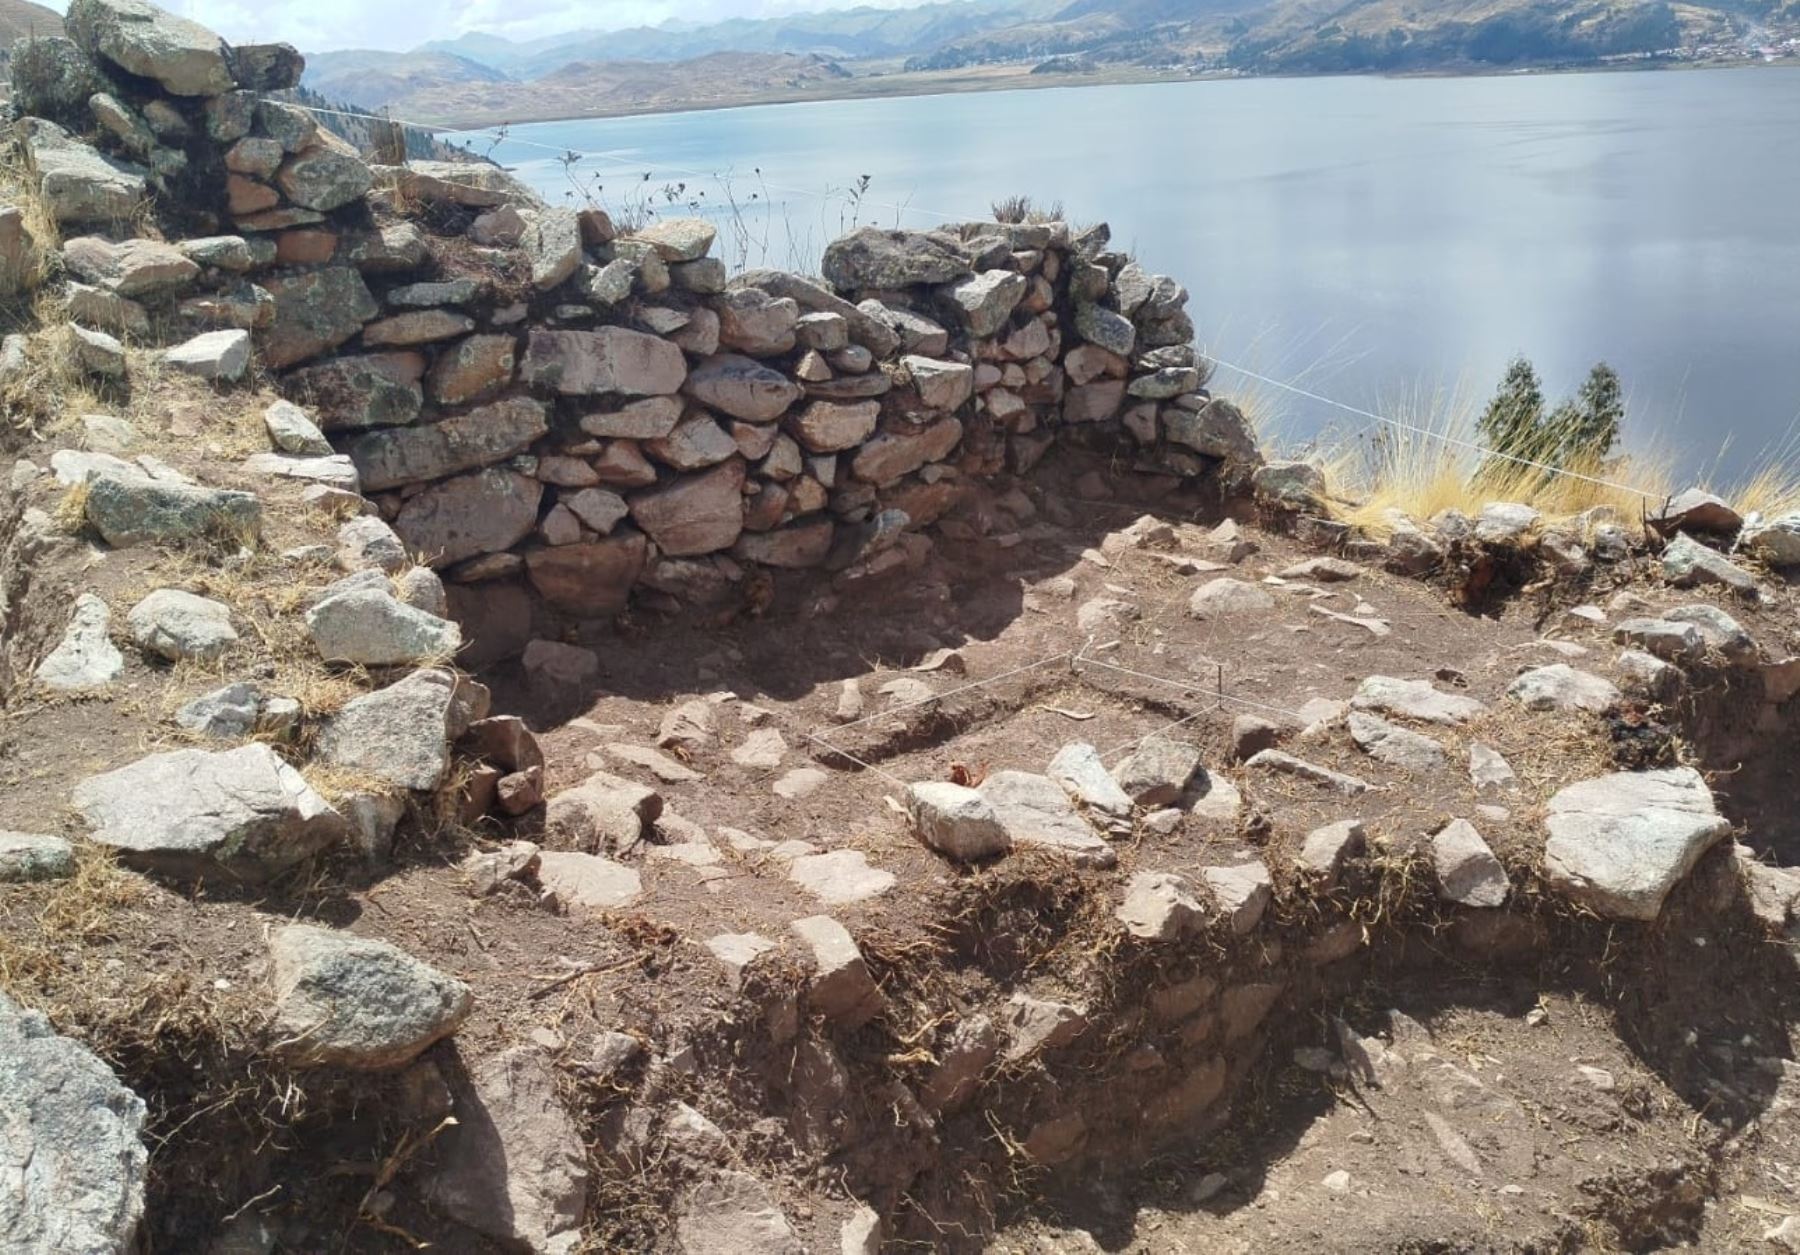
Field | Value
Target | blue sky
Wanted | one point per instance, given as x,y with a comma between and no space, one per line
323,25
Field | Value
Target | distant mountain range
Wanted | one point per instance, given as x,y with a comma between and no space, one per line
482,79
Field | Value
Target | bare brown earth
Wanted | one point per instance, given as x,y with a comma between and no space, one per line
1467,1124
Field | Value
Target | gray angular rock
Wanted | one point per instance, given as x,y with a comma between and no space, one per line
77,183
225,714
987,300
1227,598
1774,541
1035,812
955,821
131,267
181,55
1686,563
1290,485
732,1213
1394,745
1326,849
1696,510
346,1001
1679,643
941,385
212,355
97,353
469,515
191,813
1283,763
1158,771
1503,522
175,625
371,627
742,388
513,1167
399,734
1467,871
293,432
1079,769
1218,430
753,322
315,311
1111,331
609,359
1034,1024
85,658
1561,687
552,242
1719,631
1242,892
1159,906
1619,843
325,179
75,1158
31,856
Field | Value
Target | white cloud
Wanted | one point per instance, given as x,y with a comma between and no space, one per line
325,25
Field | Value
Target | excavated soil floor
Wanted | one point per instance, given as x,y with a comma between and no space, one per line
1628,1090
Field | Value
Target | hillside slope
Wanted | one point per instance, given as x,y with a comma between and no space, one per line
20,19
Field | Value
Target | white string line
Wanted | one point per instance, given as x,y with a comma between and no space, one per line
961,688
843,753
503,135
1428,433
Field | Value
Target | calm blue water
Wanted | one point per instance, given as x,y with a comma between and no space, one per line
1376,239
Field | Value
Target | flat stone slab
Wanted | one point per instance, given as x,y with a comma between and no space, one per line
1036,813
840,877
1619,843
1283,763
587,880
1415,699
1561,687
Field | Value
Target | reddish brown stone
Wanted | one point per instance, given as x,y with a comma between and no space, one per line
304,247
247,196
473,368
592,580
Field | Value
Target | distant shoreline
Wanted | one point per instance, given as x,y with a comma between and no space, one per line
1010,78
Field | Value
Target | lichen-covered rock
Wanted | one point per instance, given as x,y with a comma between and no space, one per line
489,433
885,260
360,391
323,178
354,1002
183,56
244,812
77,183
610,359
988,299
128,509
75,1162
1290,485
315,311
131,267
32,856
469,515
1687,563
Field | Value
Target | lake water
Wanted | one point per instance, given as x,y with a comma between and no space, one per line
1377,240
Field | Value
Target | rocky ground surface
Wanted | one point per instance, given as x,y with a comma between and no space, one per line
1077,839
676,1016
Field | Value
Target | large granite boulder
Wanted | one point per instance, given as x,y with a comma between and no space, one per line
132,509
191,813
487,434
354,1002
399,734
609,359
315,311
469,515
72,1154
76,182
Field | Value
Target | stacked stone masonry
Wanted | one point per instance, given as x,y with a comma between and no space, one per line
533,398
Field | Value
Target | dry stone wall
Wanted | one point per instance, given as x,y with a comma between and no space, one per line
555,413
